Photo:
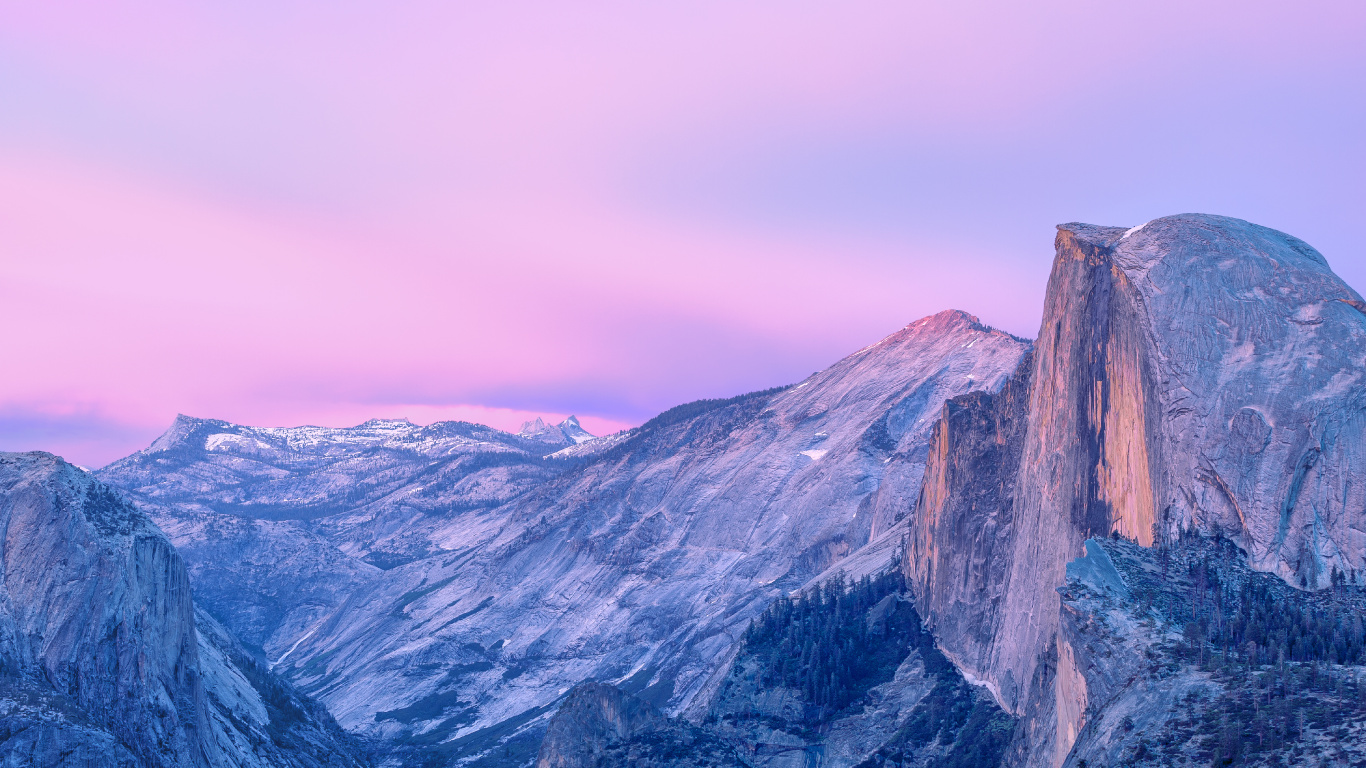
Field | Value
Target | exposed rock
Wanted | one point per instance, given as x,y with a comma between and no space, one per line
100,660
280,526
651,558
1156,693
960,543
592,716
567,433
1195,372
259,720
96,618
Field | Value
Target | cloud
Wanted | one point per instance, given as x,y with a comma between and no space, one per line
276,214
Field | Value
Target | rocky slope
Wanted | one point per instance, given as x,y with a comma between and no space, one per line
842,675
1196,372
567,433
100,659
640,556
648,562
1185,655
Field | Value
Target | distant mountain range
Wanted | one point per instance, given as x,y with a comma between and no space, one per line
953,547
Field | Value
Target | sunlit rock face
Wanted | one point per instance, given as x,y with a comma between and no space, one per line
648,561
101,662
1197,372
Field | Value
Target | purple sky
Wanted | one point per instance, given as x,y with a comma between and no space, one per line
294,212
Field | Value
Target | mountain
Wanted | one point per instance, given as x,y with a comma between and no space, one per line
566,433
278,526
642,558
1194,374
1135,541
101,661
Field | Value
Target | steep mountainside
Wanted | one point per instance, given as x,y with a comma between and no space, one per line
647,561
1196,372
100,660
841,675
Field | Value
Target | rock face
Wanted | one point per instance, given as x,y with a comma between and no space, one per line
1196,372
97,616
648,561
566,433
1155,694
593,715
100,660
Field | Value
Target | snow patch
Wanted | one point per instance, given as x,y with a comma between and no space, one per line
225,441
1132,230
815,454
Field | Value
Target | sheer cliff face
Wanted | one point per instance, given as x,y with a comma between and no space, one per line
96,615
649,561
101,662
960,544
1256,351
1194,372
1084,467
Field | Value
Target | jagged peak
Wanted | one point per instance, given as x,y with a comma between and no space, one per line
533,427
567,431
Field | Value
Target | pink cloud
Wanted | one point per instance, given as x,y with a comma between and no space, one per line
327,213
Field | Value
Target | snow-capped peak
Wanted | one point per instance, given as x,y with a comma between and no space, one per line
566,432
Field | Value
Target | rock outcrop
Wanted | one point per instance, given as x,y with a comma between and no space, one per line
641,555
96,621
1196,372
591,717
566,433
100,660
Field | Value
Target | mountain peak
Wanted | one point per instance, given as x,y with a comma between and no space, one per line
567,432
181,428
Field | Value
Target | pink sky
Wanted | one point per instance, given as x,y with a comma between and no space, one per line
294,212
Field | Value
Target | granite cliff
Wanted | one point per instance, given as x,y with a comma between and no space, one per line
101,662
1194,373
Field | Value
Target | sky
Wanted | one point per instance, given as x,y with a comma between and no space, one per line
289,212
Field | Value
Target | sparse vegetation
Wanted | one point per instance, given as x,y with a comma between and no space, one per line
1286,663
